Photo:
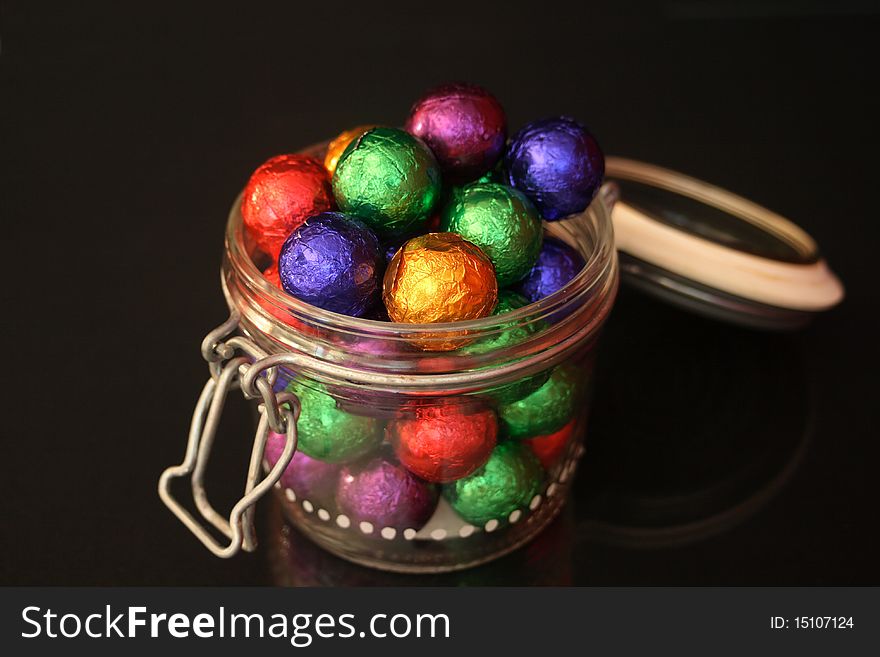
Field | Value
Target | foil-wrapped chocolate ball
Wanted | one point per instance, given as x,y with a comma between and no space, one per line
557,264
439,277
544,411
281,194
328,433
464,125
558,164
390,180
549,448
502,222
509,480
332,261
379,495
337,147
309,479
444,442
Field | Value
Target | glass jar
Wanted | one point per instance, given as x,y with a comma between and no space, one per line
422,448
431,448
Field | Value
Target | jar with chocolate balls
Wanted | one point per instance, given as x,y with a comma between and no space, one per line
417,333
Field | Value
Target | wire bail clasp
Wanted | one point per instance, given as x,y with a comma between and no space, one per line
277,412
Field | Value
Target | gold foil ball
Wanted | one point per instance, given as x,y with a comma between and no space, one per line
340,143
439,277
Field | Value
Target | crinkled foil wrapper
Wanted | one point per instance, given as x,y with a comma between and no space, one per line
436,278
390,180
445,442
502,222
547,409
439,277
508,481
340,143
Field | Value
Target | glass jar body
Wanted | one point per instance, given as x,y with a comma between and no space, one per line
431,448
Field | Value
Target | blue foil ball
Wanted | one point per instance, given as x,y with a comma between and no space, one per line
557,264
332,261
558,164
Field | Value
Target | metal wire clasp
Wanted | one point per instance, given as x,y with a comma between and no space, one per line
277,412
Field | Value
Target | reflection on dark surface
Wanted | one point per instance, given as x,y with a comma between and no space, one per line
545,561
696,425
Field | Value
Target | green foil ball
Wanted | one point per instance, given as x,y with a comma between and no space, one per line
388,179
328,433
502,222
509,480
546,410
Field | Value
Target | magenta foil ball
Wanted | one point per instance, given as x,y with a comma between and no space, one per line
464,125
310,479
384,494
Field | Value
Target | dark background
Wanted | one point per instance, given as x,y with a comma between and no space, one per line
719,455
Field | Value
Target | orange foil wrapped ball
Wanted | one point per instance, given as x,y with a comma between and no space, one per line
439,277
339,144
281,194
444,443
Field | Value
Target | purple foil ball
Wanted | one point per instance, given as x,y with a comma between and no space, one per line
557,264
332,261
558,164
464,125
385,494
309,478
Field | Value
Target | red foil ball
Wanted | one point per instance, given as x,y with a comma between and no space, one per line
464,125
549,448
446,442
281,194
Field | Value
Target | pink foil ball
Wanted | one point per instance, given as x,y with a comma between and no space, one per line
464,125
385,494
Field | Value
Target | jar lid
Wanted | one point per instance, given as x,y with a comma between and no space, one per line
715,253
